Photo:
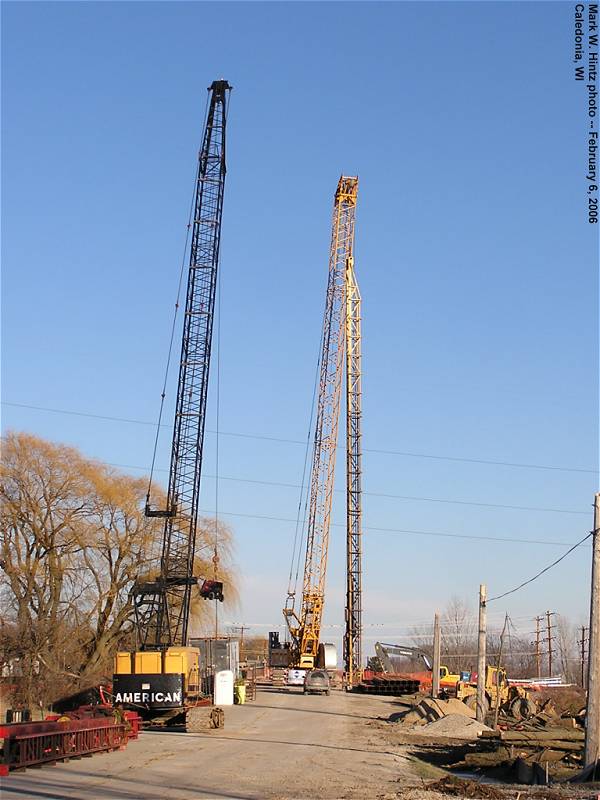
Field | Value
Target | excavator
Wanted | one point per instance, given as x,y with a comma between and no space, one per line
448,680
341,341
516,700
161,678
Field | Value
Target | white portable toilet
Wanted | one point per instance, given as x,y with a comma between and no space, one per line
223,694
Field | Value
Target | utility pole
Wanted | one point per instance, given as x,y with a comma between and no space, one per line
481,701
592,716
549,614
435,670
241,629
538,656
498,666
582,642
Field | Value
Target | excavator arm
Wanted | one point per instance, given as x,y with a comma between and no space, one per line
383,652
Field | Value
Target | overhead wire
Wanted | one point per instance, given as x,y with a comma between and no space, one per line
280,439
403,530
539,574
369,494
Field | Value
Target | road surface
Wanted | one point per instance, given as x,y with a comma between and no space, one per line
282,746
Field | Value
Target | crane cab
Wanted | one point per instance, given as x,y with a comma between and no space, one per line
154,681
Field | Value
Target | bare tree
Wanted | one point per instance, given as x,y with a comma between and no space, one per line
458,635
74,540
569,656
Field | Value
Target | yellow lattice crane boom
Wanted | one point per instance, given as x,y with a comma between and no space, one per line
353,633
341,322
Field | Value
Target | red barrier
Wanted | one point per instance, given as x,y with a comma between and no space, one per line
30,743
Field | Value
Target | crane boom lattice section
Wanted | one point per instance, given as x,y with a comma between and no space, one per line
163,605
305,629
353,631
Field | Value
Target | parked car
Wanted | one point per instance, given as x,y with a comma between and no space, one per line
316,682
295,677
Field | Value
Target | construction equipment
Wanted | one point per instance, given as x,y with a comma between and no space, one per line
499,693
448,680
383,652
162,675
341,335
353,630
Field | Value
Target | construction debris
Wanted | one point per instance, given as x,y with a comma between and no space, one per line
201,718
455,787
535,751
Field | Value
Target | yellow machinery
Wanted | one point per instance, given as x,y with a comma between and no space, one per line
498,693
171,678
448,680
341,336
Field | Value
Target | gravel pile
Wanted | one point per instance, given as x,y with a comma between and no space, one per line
453,726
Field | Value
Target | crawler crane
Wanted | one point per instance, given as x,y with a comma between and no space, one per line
162,675
341,336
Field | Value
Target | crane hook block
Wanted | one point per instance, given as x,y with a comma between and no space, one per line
212,590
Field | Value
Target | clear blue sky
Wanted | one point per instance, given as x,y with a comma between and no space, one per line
477,267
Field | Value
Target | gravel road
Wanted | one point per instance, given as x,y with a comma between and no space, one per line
283,746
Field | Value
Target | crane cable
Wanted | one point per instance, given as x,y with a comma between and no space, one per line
173,324
215,558
293,587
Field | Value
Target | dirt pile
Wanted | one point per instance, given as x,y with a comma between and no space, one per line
454,726
430,710
450,719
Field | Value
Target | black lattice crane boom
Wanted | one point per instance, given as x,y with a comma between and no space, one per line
163,605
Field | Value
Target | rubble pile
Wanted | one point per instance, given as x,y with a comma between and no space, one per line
536,749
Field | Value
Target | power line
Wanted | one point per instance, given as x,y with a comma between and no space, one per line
535,577
299,442
297,486
402,530
370,494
